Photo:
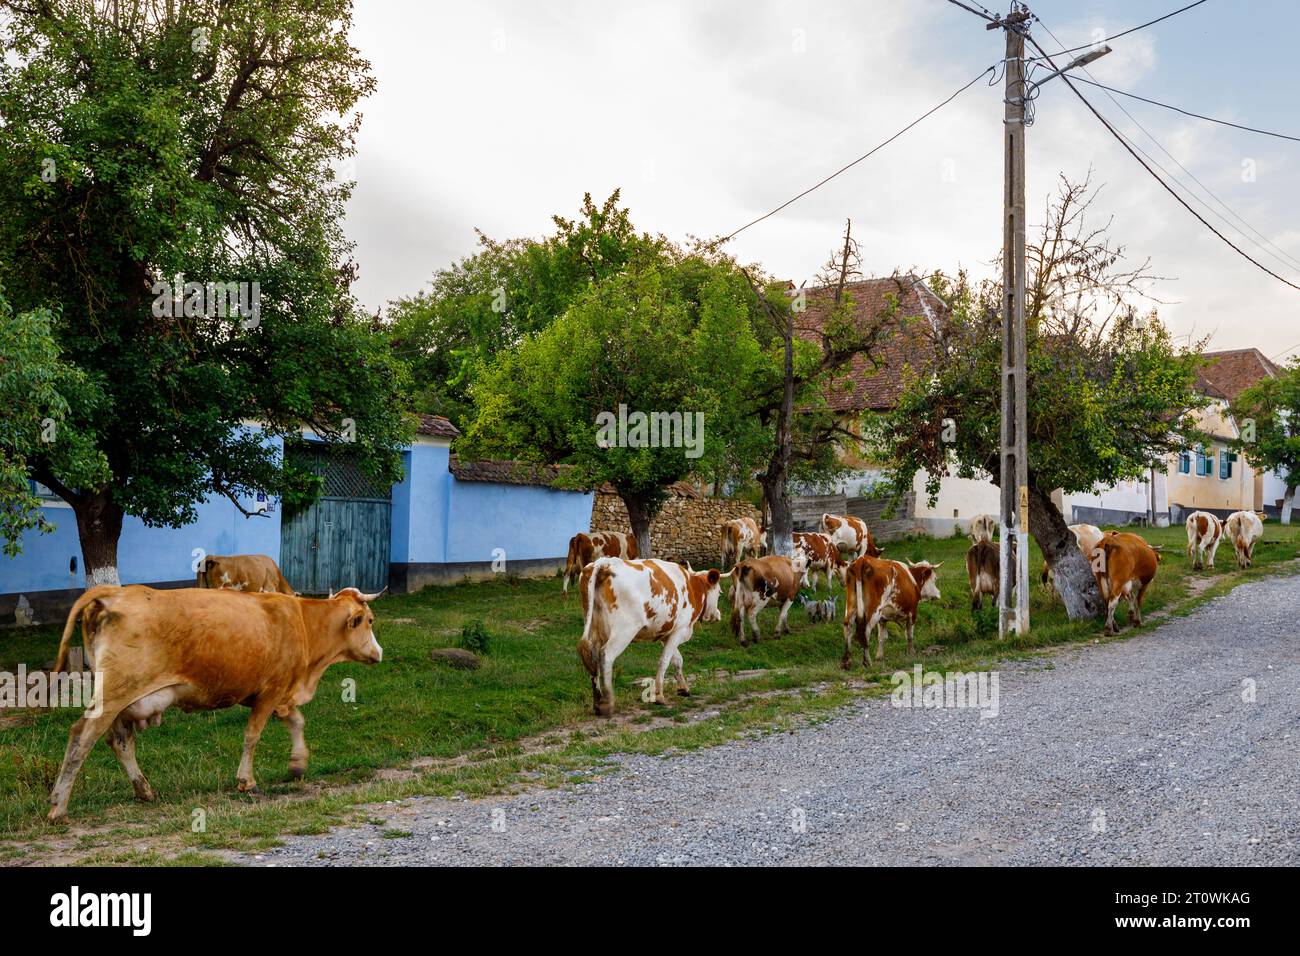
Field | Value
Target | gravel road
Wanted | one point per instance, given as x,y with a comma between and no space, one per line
1147,751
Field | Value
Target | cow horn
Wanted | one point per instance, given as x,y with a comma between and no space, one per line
367,598
357,593
727,575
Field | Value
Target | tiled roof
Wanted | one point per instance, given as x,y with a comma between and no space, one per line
506,472
678,489
860,385
437,426
1231,372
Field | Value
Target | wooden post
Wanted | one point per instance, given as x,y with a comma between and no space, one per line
1013,589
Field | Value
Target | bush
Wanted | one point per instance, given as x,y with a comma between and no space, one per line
474,637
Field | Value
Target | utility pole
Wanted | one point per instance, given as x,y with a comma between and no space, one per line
1013,585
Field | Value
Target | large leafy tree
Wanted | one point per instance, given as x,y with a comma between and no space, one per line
669,334
1270,414
507,290
1110,396
144,144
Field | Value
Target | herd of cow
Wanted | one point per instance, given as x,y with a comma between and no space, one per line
244,636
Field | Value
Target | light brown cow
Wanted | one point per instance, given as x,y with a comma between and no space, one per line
1244,529
243,572
876,592
982,527
1086,537
756,582
850,535
626,601
1204,533
982,567
1124,566
739,538
205,650
822,556
585,548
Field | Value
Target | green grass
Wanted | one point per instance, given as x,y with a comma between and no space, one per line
522,717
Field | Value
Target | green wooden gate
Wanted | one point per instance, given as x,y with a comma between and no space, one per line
343,539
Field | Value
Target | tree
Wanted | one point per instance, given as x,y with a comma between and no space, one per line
157,162
37,390
1109,395
661,345
1269,413
491,300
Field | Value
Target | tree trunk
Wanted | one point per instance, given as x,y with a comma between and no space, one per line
780,529
99,526
639,515
1287,501
1074,580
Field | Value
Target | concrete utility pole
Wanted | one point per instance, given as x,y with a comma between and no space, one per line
1013,586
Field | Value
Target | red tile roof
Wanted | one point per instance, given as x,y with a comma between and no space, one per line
861,386
506,472
436,426
1231,372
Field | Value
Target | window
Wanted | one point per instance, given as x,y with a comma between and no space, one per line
1225,464
1204,462
40,491
1185,463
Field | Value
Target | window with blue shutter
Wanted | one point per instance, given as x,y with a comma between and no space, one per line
1225,464
1185,463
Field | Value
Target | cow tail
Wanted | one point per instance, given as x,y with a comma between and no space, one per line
590,628
82,604
201,575
569,562
860,610
738,590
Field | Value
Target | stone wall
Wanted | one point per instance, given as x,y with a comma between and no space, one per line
686,528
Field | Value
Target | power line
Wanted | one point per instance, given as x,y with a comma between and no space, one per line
1182,202
1124,33
1284,352
1176,109
855,162
1264,243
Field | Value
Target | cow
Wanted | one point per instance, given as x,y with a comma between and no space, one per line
739,538
1204,532
982,567
1244,529
242,572
822,556
626,601
1124,566
585,548
1086,537
877,591
982,528
757,582
850,535
200,649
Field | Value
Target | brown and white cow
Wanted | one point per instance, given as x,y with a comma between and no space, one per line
1124,566
982,527
205,650
1086,537
850,535
626,601
876,592
757,582
982,567
738,539
822,556
1204,533
243,572
585,548
1244,529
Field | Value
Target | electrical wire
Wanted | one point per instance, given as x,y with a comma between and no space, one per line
1124,33
843,169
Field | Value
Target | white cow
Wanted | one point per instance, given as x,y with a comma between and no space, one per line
1244,529
850,535
1204,532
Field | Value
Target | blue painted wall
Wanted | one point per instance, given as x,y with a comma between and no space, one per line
527,522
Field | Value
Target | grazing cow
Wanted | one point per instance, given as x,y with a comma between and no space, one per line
876,592
822,556
1244,529
982,567
243,572
740,537
1086,536
1204,532
626,601
757,582
850,535
1124,566
586,548
982,527
205,650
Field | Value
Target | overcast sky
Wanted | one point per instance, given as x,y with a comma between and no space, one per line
707,114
